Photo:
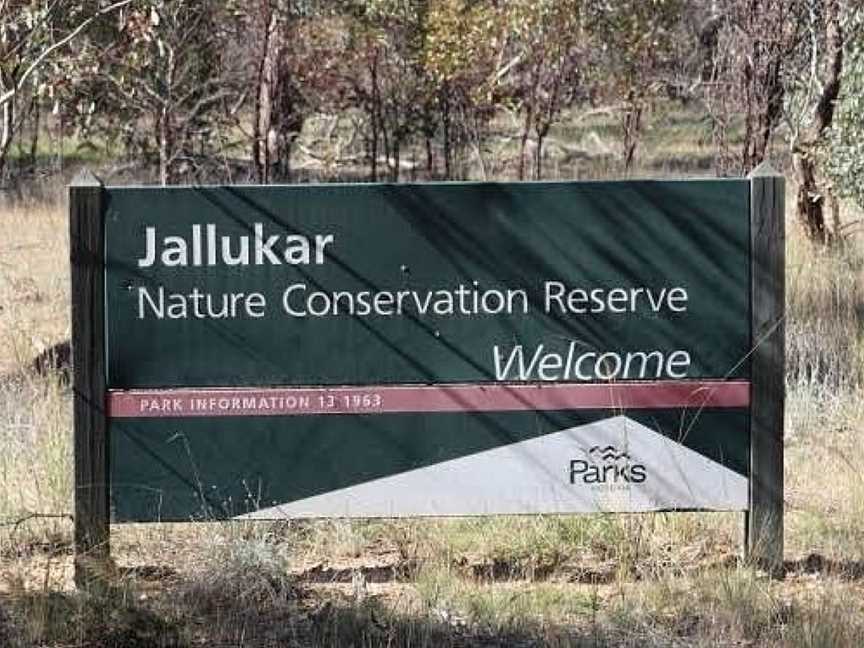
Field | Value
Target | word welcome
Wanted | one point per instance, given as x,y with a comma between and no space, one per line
543,364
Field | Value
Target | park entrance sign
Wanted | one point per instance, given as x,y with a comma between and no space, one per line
436,349
427,349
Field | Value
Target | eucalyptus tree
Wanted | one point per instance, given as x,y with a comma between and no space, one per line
544,64
823,108
285,75
383,69
782,63
464,49
164,79
633,48
33,35
756,46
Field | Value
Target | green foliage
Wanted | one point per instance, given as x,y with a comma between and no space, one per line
844,157
634,37
31,35
462,39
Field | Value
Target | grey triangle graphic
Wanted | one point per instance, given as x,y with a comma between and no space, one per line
554,473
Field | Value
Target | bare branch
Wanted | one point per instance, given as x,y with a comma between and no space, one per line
121,89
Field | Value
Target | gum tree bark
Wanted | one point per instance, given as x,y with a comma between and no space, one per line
810,198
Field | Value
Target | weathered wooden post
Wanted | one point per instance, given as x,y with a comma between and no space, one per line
86,246
764,522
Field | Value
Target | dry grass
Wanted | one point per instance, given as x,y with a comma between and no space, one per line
663,580
825,399
825,308
34,281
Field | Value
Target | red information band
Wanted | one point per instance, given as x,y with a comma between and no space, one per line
385,399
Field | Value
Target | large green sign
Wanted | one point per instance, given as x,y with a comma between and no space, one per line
346,285
377,350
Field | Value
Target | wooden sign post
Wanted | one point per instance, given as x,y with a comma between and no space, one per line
87,262
764,521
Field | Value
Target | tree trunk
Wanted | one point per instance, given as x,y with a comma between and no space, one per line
772,115
164,148
34,133
385,140
811,195
809,201
430,158
445,133
541,130
632,130
523,145
286,162
265,92
376,118
8,131
282,163
538,158
373,153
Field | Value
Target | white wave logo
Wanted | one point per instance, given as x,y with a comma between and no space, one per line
605,465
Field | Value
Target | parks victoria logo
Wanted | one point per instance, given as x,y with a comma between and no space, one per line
606,467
